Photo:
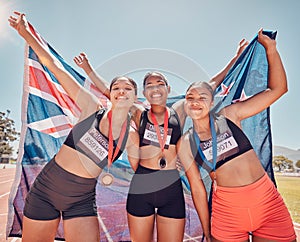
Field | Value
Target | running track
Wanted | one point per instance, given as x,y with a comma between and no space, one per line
6,179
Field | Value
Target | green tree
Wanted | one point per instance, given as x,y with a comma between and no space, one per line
282,163
8,133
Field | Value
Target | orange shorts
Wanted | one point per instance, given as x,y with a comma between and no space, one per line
256,208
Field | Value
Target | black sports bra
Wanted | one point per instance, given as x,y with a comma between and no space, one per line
231,140
86,138
147,131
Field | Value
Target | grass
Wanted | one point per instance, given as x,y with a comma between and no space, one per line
289,188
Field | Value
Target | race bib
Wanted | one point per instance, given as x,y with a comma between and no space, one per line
94,145
150,136
226,146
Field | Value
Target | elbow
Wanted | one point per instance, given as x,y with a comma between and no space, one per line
199,193
286,89
283,89
53,65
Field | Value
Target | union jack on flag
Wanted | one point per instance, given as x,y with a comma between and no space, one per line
49,108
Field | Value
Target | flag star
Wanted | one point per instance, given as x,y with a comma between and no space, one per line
243,97
225,89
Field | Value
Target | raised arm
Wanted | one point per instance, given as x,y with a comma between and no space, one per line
198,190
214,82
85,100
277,85
219,77
83,62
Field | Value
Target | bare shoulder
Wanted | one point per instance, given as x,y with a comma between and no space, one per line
136,111
183,145
133,137
133,132
184,151
186,137
89,110
177,106
179,109
136,107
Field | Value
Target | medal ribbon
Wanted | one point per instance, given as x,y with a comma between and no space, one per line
157,130
112,154
214,145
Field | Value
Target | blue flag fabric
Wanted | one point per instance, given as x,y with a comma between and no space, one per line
247,77
48,114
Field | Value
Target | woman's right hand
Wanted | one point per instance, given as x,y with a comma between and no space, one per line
19,23
241,47
81,60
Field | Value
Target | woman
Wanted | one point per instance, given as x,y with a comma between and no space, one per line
156,193
244,198
66,185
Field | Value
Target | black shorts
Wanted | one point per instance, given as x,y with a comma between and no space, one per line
55,191
156,189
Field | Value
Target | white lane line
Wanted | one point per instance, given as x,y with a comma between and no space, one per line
15,239
192,238
6,181
4,194
105,229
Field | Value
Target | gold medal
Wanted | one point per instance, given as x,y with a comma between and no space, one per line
107,179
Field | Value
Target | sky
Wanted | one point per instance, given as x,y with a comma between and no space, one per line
189,40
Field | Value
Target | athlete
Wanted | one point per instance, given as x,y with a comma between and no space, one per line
244,199
66,185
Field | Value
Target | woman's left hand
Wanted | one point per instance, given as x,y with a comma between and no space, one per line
266,41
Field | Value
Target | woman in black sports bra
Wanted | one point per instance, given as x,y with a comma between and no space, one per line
244,199
66,185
